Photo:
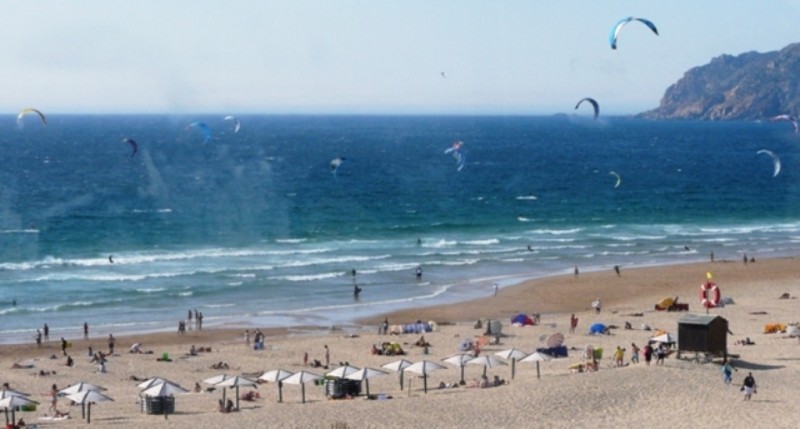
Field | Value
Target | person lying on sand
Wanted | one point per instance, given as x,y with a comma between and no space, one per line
220,365
17,365
250,396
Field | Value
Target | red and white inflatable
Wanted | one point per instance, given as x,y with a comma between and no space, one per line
709,294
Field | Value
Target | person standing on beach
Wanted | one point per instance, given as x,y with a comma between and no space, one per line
38,338
634,353
46,332
616,270
712,256
749,386
247,338
189,318
573,323
577,271
648,354
63,346
53,399
596,305
111,344
744,258
85,331
327,356
495,288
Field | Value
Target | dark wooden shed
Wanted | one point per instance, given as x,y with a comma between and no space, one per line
703,333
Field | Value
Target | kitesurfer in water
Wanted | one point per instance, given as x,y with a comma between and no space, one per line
356,291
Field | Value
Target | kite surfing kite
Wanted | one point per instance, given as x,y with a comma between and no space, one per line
612,38
594,104
134,146
236,123
455,149
790,118
775,161
202,126
27,111
335,163
619,179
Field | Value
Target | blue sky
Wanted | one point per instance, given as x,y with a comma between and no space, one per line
368,56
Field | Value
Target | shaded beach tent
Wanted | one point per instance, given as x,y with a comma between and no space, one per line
342,371
459,360
162,391
522,320
364,374
399,366
537,357
301,378
81,387
88,397
555,340
423,368
514,355
598,328
236,382
276,376
12,402
488,361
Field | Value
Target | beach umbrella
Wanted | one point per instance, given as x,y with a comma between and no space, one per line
364,374
459,360
216,380
163,390
5,393
342,371
236,382
665,338
399,366
276,376
424,367
88,397
301,378
488,361
80,387
514,355
12,402
537,357
150,382
555,340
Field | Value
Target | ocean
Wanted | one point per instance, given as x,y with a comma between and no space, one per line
255,229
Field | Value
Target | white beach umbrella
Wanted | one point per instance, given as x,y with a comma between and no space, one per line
236,382
301,378
666,338
150,382
12,402
88,397
487,361
514,355
459,360
216,380
364,374
342,371
81,387
276,376
537,357
425,367
399,366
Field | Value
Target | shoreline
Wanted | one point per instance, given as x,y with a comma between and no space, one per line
588,398
536,295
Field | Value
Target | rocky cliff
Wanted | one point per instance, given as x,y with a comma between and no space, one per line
745,87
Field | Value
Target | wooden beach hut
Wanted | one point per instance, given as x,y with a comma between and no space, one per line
703,333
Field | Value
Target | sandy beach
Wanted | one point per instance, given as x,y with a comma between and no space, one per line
680,393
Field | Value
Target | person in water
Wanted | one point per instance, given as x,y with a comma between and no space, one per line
110,259
356,291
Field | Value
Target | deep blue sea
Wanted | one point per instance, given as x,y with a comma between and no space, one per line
254,229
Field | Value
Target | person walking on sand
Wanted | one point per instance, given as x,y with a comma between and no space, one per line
744,258
111,344
85,331
327,356
247,338
596,305
727,372
46,332
749,386
634,353
616,270
712,256
577,271
573,323
495,288
63,346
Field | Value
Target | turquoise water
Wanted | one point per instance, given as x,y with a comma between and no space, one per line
253,229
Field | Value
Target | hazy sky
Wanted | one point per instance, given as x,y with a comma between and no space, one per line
369,56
